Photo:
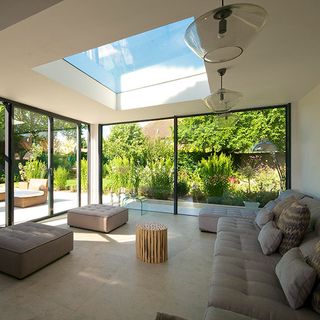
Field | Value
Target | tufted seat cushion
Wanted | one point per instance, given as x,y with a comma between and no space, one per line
237,225
209,216
243,278
98,217
29,246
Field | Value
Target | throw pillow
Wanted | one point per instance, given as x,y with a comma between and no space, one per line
263,216
314,262
296,277
269,238
293,223
280,206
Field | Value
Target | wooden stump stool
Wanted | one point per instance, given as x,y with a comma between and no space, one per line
151,242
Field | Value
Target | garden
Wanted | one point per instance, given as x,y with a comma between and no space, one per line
216,161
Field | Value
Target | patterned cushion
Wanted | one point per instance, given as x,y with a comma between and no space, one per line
293,223
283,204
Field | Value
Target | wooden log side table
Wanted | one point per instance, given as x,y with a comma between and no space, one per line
151,242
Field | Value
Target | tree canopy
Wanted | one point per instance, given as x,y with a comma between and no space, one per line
236,133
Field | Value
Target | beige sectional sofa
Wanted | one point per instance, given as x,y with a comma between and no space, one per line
244,284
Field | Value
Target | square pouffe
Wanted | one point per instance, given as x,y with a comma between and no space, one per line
98,217
27,247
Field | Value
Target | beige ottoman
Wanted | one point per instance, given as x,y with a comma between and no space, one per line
27,247
98,217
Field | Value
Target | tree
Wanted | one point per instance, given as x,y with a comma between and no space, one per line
237,133
125,141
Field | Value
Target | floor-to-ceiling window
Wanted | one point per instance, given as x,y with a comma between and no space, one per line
30,165
33,162
65,165
137,166
236,159
84,164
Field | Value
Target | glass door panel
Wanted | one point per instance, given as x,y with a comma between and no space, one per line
30,165
65,165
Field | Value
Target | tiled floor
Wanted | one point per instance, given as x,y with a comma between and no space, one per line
102,279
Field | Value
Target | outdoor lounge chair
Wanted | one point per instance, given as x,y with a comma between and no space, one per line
37,193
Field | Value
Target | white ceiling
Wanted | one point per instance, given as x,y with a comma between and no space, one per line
280,66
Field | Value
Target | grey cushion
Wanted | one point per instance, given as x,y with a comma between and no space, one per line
209,216
314,208
296,277
288,193
264,216
237,225
29,246
98,217
269,238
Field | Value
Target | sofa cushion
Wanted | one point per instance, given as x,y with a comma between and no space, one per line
314,207
263,217
296,277
308,244
237,225
314,260
281,205
220,314
293,223
269,238
289,193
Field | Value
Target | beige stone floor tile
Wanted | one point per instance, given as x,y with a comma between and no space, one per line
103,279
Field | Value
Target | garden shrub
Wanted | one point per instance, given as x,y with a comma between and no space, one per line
33,169
60,178
71,185
157,180
84,175
214,173
183,188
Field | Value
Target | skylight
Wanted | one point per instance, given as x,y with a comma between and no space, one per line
150,58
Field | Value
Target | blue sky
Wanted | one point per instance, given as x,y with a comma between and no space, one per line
149,58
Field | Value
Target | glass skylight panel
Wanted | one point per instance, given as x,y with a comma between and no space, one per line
153,57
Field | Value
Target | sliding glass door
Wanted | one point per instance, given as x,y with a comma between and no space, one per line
138,164
30,165
238,159
65,165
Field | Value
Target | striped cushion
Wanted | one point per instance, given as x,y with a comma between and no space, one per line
293,223
280,206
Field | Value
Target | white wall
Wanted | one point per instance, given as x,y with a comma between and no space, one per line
305,155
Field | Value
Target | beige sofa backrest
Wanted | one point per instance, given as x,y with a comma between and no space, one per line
38,184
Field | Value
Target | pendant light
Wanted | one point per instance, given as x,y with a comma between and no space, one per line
224,99
222,34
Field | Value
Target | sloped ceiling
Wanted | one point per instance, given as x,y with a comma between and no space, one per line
280,66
